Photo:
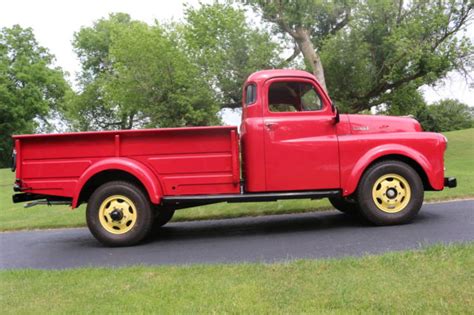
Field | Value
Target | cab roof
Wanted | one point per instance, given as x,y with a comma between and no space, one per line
267,74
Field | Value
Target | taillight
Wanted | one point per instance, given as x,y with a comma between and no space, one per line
13,165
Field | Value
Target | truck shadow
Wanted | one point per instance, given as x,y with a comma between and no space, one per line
266,225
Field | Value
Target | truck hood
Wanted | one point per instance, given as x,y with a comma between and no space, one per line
367,124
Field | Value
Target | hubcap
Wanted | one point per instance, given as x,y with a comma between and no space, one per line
391,193
117,214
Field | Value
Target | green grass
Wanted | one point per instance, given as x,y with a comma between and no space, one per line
459,163
439,279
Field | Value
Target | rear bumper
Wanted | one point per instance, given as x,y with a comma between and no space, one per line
16,198
450,182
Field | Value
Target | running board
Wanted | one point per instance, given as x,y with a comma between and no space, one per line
246,197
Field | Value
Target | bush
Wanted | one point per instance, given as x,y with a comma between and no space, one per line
445,115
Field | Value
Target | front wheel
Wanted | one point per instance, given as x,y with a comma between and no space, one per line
119,214
390,192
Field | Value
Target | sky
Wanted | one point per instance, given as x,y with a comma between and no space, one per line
54,23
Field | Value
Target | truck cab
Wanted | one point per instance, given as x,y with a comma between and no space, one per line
289,133
293,138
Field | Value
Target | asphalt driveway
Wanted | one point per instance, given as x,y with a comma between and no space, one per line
260,239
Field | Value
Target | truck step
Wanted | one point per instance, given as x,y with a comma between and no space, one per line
246,197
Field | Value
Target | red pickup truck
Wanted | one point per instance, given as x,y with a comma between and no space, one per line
293,144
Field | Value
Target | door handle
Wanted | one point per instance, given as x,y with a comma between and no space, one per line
270,126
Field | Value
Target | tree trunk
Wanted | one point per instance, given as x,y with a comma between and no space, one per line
304,43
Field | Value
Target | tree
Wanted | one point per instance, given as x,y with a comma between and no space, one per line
446,115
308,23
29,87
407,100
134,75
372,48
226,48
89,109
154,78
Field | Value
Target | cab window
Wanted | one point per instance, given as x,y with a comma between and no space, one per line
293,97
250,94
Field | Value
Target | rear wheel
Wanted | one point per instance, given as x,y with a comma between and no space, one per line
346,205
119,214
390,192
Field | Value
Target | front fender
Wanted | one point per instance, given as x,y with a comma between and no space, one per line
386,150
133,167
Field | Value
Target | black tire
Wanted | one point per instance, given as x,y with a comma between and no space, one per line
162,216
345,205
138,227
390,192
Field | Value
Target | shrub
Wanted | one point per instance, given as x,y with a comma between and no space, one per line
445,115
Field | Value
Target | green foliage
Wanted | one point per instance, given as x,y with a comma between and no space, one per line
406,100
446,115
389,46
371,49
137,75
134,75
226,48
88,109
307,23
29,87
319,18
92,45
154,77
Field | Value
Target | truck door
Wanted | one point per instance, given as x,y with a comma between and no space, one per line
301,149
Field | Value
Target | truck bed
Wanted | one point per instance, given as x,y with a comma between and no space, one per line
185,161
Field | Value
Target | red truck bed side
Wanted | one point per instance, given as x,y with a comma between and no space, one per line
175,161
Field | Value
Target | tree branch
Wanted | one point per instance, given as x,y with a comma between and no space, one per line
342,23
464,17
367,101
370,98
400,8
296,53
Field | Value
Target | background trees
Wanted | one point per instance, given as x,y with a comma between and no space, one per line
370,49
89,109
445,115
135,75
308,23
227,49
29,87
139,75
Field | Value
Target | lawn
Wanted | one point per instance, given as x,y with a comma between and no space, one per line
459,163
438,279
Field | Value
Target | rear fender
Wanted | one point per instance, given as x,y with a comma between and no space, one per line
379,152
135,168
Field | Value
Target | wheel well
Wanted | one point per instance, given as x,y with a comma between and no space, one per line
106,176
409,161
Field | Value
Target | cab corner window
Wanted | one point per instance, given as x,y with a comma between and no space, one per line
293,97
250,94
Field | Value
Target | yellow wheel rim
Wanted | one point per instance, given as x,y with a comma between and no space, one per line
391,193
117,214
